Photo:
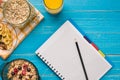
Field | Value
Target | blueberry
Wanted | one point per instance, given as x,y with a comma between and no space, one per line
30,76
20,76
19,67
28,69
12,73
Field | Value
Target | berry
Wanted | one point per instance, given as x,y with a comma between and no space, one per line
25,66
20,76
30,76
19,67
15,70
28,69
23,72
12,73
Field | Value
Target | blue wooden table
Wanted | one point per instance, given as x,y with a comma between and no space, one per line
99,19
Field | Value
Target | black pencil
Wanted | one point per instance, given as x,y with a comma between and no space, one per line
83,66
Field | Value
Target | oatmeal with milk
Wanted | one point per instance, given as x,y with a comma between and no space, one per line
22,70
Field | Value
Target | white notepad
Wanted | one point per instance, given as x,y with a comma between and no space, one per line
59,52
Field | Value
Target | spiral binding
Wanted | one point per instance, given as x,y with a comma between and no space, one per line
52,67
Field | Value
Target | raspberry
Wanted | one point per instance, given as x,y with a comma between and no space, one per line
15,70
25,66
23,72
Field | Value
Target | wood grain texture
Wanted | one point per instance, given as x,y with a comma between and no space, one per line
99,19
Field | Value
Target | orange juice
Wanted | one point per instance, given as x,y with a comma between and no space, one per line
53,6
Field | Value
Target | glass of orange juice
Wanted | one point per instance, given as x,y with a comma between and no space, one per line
53,6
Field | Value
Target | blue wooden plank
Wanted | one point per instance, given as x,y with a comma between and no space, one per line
87,5
111,77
